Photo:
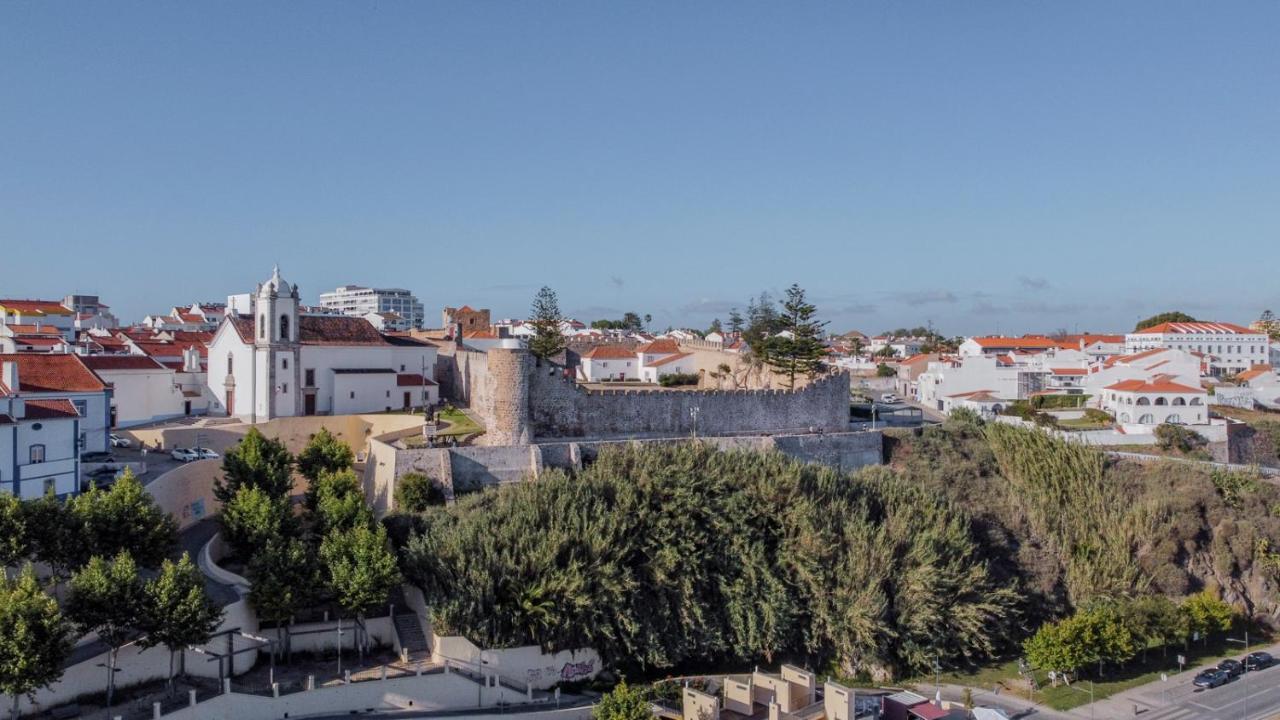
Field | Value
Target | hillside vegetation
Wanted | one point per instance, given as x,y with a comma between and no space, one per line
666,555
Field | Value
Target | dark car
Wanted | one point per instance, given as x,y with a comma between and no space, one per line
1211,678
1258,661
1233,668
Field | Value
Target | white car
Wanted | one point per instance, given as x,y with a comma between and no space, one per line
205,453
122,442
184,454
888,398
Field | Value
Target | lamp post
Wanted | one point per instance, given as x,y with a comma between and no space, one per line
1245,643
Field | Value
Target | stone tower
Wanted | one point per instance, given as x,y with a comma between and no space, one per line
509,370
275,349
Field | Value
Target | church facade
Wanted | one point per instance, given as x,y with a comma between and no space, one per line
276,361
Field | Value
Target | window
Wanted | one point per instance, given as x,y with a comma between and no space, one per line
49,486
81,407
284,388
1147,419
262,327
284,363
36,454
388,393
230,363
84,441
284,327
353,394
310,377
401,368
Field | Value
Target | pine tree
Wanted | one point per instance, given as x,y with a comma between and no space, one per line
735,321
547,340
178,611
35,640
256,461
799,350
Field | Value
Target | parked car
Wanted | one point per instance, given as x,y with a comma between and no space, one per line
1211,678
205,453
888,398
184,454
1233,668
117,441
1258,661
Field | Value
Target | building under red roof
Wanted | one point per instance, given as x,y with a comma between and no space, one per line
1196,328
36,307
41,373
121,362
1022,343
610,352
1158,384
661,346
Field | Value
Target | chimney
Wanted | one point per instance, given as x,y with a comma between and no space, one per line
190,359
9,375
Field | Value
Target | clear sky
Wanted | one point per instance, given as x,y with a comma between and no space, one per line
1015,166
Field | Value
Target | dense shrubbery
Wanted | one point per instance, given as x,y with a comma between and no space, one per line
659,555
677,379
1180,438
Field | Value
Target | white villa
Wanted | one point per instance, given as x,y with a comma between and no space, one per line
1148,403
1231,348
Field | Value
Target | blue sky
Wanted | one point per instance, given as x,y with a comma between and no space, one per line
1014,166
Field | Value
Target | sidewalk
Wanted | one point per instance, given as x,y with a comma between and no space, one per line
1012,705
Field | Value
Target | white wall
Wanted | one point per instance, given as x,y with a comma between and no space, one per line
365,392
595,370
143,396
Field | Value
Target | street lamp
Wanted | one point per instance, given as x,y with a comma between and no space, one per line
1244,642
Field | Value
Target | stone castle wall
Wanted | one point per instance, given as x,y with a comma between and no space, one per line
559,408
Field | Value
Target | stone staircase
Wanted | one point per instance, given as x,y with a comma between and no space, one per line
413,639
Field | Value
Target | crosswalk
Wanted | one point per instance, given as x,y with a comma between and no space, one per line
1174,713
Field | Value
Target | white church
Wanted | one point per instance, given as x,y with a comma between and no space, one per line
268,360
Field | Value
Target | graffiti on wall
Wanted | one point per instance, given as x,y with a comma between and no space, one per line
577,671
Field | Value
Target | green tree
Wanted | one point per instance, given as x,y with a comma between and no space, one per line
762,323
340,503
284,580
632,321
715,327
545,317
736,323
623,702
360,567
122,519
256,461
1174,316
1096,635
883,370
323,454
798,352
108,598
52,533
1206,613
178,611
1177,437
35,640
253,519
415,492
14,543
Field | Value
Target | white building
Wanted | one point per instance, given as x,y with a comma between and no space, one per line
663,357
142,390
275,362
358,301
65,377
388,322
999,345
1140,405
610,362
39,448
1231,348
33,314
1012,376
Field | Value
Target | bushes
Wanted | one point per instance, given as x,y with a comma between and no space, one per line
659,555
416,492
1177,437
678,379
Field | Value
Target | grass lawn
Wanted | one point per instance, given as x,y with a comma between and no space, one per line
1116,680
459,423
1082,424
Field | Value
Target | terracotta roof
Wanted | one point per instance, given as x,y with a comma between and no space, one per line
1008,342
1135,357
52,409
320,330
1072,342
1196,328
669,359
36,307
918,357
406,340
120,362
38,340
610,352
1253,372
661,346
413,380
1159,384
974,395
53,373
24,329
1069,371
480,335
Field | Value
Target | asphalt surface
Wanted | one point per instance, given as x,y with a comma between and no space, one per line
1258,691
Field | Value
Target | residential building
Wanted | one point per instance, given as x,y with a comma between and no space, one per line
388,322
998,345
909,372
359,301
610,362
142,390
276,362
1231,348
1140,405
39,313
1096,346
90,312
53,377
663,357
39,441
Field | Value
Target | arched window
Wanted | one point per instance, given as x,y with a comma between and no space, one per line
1195,401
1178,401
284,327
1124,417
1174,419
1161,401
230,363
262,327
1144,401
1147,419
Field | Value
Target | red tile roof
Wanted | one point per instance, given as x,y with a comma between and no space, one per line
53,373
662,346
1254,372
610,352
1159,384
36,307
23,329
413,380
669,359
120,362
1069,371
39,340
52,409
320,330
1020,343
1196,328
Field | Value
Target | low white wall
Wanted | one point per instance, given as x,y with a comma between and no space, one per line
426,693
380,632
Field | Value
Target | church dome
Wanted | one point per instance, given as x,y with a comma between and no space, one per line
276,285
